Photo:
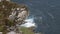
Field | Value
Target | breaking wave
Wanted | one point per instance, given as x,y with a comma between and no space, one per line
29,23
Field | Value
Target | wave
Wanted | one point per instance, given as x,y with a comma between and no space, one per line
29,23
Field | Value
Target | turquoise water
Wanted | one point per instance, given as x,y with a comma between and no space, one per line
46,14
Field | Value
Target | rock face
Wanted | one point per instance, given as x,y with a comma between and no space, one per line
12,32
0,32
11,14
4,0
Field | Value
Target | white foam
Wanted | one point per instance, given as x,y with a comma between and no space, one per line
30,23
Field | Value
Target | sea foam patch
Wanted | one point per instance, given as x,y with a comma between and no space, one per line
29,23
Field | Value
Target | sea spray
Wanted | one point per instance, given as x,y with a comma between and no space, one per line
29,23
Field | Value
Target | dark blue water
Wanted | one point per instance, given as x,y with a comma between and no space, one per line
46,14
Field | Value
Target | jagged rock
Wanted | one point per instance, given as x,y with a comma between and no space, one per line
11,14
